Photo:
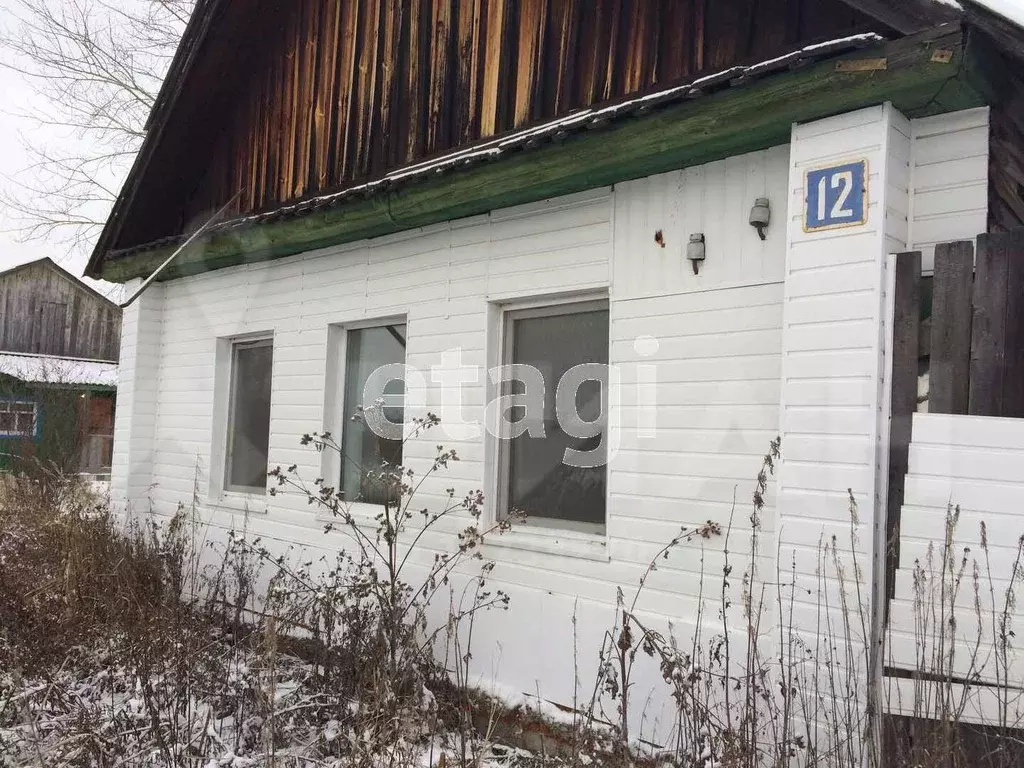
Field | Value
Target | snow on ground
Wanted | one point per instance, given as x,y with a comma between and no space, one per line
93,711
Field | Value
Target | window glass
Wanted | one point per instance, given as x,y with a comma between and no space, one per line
373,438
17,418
540,482
249,426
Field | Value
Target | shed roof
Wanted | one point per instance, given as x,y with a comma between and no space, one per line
58,371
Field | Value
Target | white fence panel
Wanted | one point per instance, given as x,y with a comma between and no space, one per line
961,530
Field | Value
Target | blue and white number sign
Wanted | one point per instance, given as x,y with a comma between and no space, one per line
837,197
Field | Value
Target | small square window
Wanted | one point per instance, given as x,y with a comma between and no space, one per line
372,439
17,418
537,474
248,438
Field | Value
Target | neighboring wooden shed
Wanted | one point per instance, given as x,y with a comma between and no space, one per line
47,311
59,347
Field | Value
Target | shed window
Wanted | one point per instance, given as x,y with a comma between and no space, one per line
374,407
17,418
538,474
249,416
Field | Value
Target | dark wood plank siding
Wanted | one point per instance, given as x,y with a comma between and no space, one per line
342,90
45,312
1006,151
1006,168
997,342
952,287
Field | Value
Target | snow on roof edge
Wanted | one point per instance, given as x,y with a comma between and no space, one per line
47,369
1011,10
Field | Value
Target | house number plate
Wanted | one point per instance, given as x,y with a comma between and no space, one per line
837,196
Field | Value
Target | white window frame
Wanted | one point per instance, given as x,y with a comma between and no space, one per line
35,419
336,410
221,491
547,534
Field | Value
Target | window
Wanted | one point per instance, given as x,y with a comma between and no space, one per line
17,418
374,361
552,461
249,416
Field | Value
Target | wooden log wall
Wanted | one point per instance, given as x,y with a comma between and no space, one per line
45,312
346,89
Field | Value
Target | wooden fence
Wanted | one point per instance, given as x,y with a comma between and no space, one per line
970,343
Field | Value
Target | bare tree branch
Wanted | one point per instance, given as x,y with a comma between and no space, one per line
96,66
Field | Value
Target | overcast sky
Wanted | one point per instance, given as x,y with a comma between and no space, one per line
20,102
18,99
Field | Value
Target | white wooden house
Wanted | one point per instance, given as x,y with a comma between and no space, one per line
461,185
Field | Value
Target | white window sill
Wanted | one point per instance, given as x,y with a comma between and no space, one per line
251,503
583,546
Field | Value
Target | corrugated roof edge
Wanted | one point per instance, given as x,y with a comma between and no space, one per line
59,371
534,136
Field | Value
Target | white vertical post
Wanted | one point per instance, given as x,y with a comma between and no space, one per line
833,424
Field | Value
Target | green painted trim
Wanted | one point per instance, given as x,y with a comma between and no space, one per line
731,122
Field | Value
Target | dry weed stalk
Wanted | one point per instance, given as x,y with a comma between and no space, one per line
341,661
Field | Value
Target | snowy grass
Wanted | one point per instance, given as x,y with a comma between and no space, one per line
136,644
127,643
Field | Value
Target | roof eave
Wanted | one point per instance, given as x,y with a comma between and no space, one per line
185,56
716,125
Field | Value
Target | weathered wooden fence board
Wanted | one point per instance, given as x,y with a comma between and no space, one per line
988,335
951,328
976,350
906,328
1013,379
997,341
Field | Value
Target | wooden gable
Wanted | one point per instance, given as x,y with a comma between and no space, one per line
46,311
288,100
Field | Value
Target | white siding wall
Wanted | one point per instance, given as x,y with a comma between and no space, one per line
832,371
135,419
718,364
949,178
832,396
714,199
784,335
977,464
